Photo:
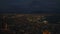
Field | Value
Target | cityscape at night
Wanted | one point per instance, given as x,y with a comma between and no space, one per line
29,23
29,16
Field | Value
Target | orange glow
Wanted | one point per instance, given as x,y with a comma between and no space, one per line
46,32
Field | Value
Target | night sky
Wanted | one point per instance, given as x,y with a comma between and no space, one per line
30,6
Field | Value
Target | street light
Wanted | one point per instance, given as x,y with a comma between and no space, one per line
45,22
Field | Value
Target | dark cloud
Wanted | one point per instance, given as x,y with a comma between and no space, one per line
29,6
